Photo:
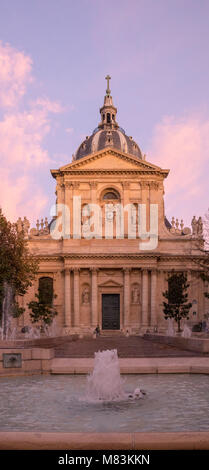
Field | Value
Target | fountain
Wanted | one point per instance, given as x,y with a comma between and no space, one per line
170,330
105,382
186,333
53,329
6,311
32,332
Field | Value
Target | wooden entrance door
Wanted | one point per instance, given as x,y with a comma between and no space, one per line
110,311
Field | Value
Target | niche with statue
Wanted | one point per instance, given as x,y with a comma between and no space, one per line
85,307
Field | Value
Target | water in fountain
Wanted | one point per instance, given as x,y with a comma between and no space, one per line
105,382
33,332
170,330
12,334
186,333
6,310
53,329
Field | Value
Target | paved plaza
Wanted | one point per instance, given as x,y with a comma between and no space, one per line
133,346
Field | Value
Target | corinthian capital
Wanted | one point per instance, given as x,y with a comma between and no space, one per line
144,184
93,184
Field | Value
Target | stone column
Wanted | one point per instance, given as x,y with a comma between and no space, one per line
189,280
76,298
153,297
75,210
144,297
69,203
126,297
60,191
67,298
126,186
94,297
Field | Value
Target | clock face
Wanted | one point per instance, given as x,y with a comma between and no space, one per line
109,215
109,212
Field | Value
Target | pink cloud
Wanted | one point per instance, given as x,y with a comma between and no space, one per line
182,145
19,197
47,105
22,134
15,74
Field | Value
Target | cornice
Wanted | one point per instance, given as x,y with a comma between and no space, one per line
75,167
158,257
111,171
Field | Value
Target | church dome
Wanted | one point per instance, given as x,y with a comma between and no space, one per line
102,138
108,133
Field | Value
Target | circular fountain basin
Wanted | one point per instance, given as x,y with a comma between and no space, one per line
57,404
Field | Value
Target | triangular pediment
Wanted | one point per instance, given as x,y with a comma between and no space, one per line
110,159
110,283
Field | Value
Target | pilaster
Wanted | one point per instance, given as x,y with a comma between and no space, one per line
126,297
68,322
144,297
153,297
94,297
76,297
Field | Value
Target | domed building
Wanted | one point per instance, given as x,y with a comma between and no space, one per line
108,134
109,248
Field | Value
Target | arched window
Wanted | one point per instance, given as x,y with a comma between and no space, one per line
45,289
108,118
111,194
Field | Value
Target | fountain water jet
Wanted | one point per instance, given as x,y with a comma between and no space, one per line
170,330
186,333
105,382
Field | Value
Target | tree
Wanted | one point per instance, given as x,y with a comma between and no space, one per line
177,305
17,269
42,310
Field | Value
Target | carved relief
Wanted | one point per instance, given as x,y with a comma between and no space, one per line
108,272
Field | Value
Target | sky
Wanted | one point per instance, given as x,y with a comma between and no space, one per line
54,56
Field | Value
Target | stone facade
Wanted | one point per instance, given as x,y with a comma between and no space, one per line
84,269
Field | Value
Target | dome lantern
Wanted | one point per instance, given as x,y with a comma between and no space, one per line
108,133
108,111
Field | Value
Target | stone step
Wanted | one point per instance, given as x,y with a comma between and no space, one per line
111,333
133,346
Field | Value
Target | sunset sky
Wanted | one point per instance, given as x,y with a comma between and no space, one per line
54,56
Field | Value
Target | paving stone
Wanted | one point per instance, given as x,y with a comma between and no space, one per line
133,346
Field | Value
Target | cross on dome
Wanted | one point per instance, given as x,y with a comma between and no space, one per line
108,133
108,78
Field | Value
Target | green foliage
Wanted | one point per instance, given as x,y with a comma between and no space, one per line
205,277
46,290
177,305
17,310
42,311
17,266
